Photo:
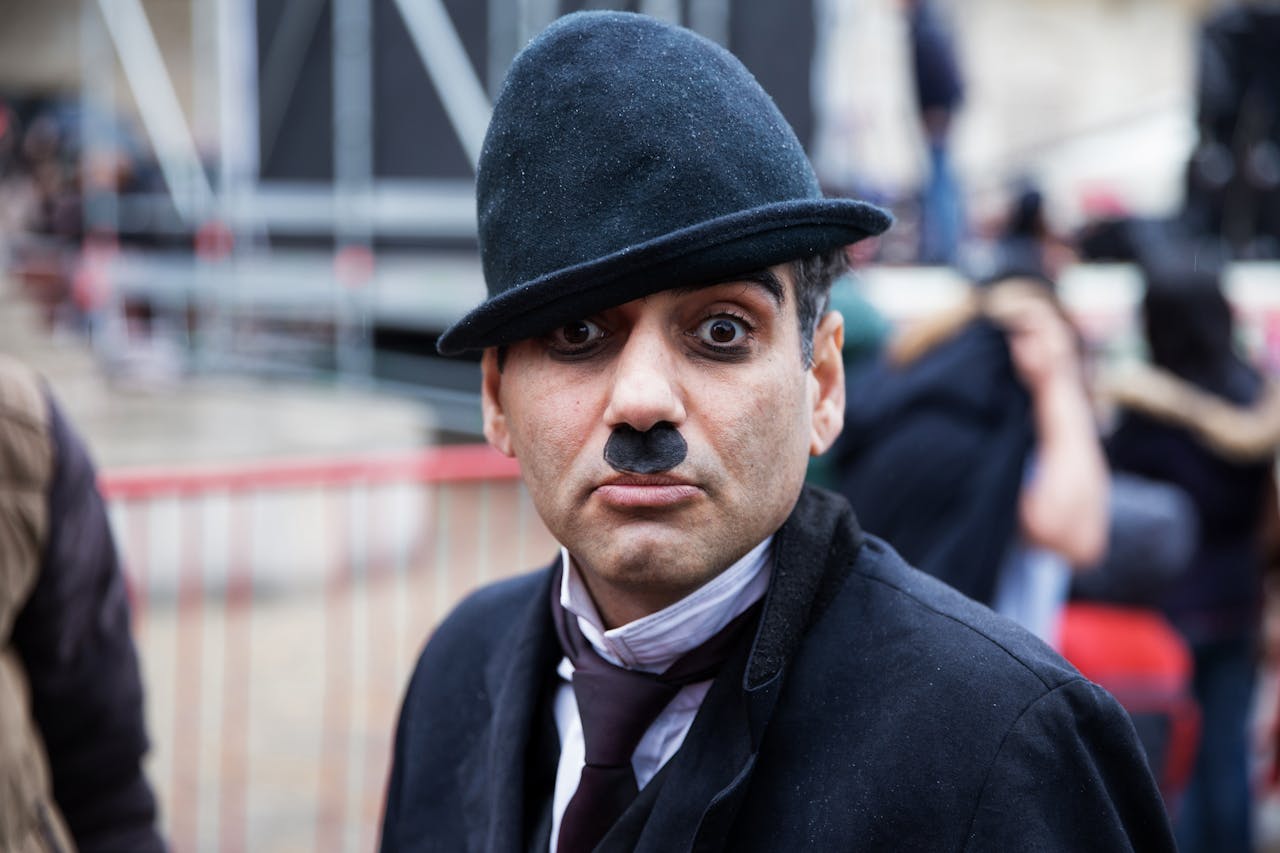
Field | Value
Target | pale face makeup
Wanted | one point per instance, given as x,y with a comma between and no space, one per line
716,369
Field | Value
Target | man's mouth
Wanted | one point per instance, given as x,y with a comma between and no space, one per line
632,491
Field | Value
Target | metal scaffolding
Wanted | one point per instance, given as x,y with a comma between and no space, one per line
318,209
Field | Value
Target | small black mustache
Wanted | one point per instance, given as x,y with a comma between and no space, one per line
653,451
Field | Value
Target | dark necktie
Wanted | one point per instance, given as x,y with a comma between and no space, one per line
617,706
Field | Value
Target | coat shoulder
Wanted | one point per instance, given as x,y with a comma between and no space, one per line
923,720
948,624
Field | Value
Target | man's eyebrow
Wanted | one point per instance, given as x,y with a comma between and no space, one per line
766,279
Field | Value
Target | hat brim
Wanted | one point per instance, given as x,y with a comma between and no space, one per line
704,253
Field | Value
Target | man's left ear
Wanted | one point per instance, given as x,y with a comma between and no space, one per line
828,375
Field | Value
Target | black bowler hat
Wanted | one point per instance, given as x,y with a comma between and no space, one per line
627,156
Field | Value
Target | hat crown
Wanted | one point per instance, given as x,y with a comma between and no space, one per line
613,129
626,156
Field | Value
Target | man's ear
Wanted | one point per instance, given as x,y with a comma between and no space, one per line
828,374
495,418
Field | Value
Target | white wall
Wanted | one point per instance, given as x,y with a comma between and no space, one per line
1087,96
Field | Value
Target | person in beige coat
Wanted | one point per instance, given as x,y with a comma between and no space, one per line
72,735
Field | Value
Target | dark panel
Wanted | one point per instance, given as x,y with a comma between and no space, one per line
471,20
776,41
303,147
413,137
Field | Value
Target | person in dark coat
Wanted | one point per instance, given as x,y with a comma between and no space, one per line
1167,432
939,91
718,658
941,432
933,453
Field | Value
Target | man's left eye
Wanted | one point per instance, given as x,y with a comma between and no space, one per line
720,331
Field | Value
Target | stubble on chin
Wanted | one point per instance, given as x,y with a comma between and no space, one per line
668,570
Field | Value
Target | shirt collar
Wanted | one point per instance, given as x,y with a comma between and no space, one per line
652,643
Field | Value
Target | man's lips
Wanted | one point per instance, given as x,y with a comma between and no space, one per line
645,490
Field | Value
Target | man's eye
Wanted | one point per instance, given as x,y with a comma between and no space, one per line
721,331
579,333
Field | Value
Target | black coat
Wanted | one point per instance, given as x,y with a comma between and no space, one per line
1220,595
932,456
877,710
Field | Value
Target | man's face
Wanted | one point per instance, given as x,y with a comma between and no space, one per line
722,365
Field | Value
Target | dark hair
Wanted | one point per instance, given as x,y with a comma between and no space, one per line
1190,332
813,277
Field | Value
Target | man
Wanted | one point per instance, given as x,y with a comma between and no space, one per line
718,659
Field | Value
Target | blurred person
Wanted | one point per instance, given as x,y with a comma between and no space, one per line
974,450
718,658
971,446
19,199
1063,502
1112,628
1171,429
1064,505
939,92
16,195
72,736
53,164
1027,245
1233,174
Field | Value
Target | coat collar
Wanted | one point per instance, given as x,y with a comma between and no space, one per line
814,552
492,776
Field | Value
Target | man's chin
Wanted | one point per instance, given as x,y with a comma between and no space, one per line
651,555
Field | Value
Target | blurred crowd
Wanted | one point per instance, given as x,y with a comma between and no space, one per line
40,172
58,193
1231,180
1127,513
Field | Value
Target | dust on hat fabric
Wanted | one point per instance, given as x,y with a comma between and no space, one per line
627,156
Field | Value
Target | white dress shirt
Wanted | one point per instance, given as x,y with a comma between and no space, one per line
651,643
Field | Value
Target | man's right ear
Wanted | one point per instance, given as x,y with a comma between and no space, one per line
495,418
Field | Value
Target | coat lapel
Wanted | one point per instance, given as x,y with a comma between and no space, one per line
492,777
709,777
707,773
698,794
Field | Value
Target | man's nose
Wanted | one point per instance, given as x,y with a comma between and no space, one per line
645,390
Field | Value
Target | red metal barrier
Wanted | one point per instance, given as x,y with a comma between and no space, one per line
458,464
279,609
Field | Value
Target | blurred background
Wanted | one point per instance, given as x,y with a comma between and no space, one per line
231,230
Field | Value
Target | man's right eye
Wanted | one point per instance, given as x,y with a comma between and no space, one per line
577,335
